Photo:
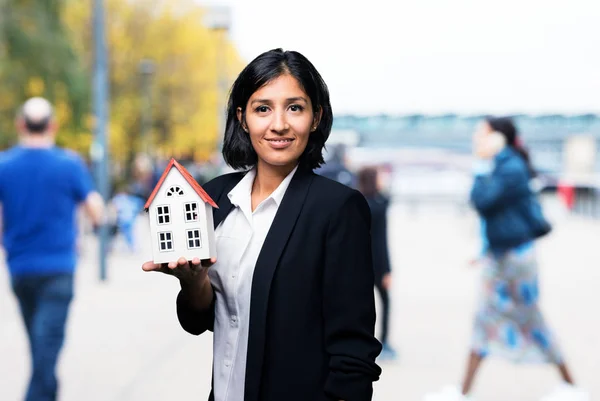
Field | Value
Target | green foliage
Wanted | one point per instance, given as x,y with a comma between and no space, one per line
38,59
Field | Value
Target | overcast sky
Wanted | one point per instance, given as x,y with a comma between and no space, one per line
436,56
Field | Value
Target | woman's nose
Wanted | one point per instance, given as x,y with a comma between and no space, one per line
279,122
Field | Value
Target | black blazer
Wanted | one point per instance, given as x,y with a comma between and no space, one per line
312,311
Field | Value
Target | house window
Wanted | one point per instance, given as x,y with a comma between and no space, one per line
175,190
165,241
191,211
193,239
163,213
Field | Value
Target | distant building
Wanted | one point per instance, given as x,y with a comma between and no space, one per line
545,135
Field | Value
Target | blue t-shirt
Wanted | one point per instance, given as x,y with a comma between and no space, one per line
40,189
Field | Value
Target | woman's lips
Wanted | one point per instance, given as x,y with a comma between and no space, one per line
280,143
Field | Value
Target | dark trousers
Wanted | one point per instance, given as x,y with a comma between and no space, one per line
385,303
44,302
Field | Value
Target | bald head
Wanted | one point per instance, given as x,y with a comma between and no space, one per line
36,116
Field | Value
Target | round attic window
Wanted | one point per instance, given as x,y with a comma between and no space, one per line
175,190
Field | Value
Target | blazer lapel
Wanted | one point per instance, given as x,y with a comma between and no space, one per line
225,206
281,228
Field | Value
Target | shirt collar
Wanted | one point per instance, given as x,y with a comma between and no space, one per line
240,194
279,192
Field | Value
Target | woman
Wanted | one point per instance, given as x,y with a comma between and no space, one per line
368,185
508,322
290,298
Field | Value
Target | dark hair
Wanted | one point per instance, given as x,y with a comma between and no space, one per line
507,128
367,181
237,148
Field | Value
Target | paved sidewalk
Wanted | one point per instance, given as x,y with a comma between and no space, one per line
124,341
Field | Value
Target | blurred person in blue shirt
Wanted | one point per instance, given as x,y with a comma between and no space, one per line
126,207
41,187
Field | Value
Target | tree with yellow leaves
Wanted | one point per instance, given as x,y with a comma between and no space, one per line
53,58
184,84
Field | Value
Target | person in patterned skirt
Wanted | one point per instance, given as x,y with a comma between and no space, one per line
508,322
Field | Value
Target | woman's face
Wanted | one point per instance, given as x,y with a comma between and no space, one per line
486,142
483,128
279,120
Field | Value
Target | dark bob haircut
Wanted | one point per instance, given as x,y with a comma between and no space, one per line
237,148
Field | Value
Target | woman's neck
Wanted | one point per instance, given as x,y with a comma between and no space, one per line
267,179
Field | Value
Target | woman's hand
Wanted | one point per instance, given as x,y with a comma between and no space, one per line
187,272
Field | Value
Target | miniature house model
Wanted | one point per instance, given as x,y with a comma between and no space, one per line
181,217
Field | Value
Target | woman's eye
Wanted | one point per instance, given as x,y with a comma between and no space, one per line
262,109
296,107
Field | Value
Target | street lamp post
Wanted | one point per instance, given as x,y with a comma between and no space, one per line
218,19
99,151
146,70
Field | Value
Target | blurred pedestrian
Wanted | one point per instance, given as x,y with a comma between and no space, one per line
145,176
368,185
508,322
125,207
335,167
41,187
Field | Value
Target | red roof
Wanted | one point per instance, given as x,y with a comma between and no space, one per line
188,177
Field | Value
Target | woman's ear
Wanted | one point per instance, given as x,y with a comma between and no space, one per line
317,119
240,116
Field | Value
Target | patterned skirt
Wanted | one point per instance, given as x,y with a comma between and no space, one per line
509,322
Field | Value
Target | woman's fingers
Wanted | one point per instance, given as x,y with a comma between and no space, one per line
150,266
181,262
156,267
209,262
195,264
180,265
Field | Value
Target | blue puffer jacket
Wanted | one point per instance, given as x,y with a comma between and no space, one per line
502,200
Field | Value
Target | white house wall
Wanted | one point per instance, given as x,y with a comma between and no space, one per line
212,241
177,226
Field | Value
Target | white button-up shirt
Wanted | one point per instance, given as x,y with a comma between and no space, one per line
239,240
